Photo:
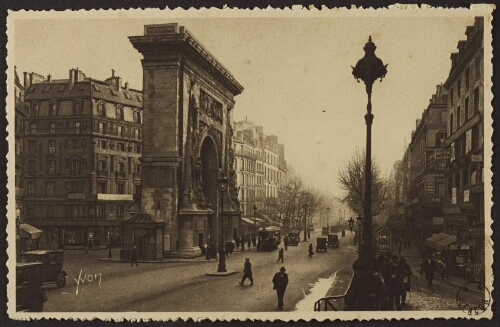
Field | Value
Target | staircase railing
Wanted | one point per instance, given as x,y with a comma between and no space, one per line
328,300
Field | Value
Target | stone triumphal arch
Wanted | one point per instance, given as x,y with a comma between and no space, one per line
187,140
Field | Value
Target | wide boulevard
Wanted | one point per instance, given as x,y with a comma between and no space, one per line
94,285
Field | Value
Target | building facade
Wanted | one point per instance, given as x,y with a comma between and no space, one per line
83,141
20,115
464,203
429,158
265,178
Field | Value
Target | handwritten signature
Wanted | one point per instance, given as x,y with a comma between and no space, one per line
87,279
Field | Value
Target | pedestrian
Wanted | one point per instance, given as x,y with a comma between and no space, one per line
400,246
280,282
133,256
405,272
249,243
444,270
247,272
242,241
311,253
343,233
237,240
429,268
285,240
392,279
280,255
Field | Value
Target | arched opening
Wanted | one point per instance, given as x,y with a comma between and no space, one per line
210,169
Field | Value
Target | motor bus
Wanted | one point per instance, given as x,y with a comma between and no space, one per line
269,238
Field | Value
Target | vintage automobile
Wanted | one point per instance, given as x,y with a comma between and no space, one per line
321,244
30,295
51,265
293,238
333,240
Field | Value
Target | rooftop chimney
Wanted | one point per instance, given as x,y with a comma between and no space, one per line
114,81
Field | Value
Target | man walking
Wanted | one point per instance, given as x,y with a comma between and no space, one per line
134,256
280,255
247,272
280,282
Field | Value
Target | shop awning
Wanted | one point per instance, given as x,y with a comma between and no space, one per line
440,241
252,221
28,231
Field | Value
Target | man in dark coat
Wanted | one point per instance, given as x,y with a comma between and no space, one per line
280,282
247,272
429,268
280,255
286,242
393,279
133,256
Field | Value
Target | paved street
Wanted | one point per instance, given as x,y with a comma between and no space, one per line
173,287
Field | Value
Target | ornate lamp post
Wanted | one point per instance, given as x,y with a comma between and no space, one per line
368,69
359,220
254,219
305,222
222,183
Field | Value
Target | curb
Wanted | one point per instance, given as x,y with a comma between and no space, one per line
158,261
222,274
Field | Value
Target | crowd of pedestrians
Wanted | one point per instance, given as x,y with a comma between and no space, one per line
381,284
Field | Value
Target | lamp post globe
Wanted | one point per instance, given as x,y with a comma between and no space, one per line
368,69
222,183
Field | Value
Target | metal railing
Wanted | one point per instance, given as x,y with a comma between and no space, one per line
327,301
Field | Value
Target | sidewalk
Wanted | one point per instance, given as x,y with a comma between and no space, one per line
414,260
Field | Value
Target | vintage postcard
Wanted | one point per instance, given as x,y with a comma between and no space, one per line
250,164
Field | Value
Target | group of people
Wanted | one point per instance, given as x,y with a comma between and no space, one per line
280,281
242,241
383,284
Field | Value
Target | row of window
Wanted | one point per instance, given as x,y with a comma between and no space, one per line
466,114
458,86
77,187
118,146
54,128
119,113
121,131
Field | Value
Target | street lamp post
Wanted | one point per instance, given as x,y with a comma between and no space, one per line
305,222
222,183
368,69
351,223
327,218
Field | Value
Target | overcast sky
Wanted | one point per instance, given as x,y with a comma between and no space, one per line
296,73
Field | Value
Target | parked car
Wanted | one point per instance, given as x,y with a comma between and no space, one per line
321,244
293,239
30,295
333,240
51,265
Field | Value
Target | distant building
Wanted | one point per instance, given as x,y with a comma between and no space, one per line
83,143
429,158
21,112
464,204
261,169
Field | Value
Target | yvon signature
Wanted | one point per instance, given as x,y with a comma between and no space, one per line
87,279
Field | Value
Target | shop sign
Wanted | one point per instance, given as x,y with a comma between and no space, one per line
459,260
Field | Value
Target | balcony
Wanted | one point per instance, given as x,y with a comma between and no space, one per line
114,197
102,172
121,174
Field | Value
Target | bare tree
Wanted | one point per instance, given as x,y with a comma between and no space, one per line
352,182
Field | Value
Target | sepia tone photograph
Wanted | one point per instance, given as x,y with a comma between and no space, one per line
259,164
